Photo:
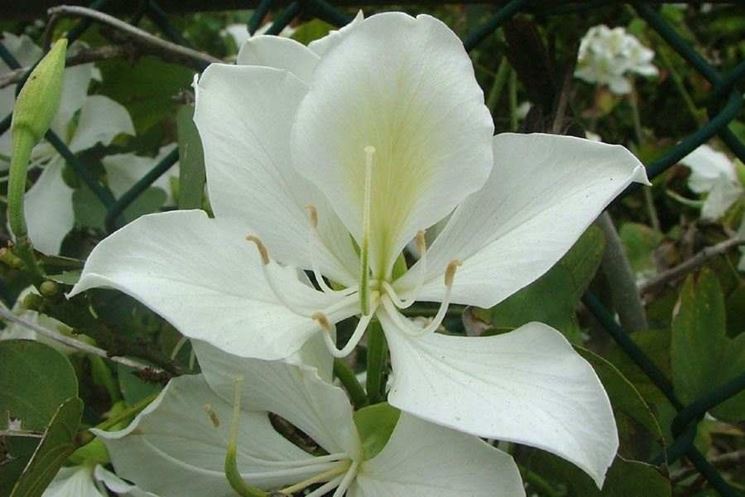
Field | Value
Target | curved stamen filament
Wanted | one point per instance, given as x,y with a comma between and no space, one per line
336,470
329,331
406,326
347,480
269,277
365,242
314,243
325,488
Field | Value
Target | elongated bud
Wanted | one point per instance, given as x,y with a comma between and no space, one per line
34,110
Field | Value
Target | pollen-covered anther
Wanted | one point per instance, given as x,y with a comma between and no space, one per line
323,321
450,272
263,252
421,242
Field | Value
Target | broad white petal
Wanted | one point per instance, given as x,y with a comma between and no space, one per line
423,460
101,120
74,481
707,166
280,53
177,445
244,114
421,110
527,386
49,213
544,191
202,276
295,392
117,485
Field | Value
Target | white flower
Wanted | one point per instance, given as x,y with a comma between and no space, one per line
81,122
713,173
124,170
381,128
177,446
607,56
90,481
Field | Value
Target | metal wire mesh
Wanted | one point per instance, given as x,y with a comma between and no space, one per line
724,105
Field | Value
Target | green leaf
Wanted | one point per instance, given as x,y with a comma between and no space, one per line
133,388
640,241
311,31
702,356
624,478
191,160
54,449
552,298
639,431
375,425
90,212
34,380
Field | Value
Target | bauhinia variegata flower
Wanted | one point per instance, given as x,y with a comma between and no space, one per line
332,158
177,446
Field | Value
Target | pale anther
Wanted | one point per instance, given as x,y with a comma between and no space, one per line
212,415
323,322
450,272
263,252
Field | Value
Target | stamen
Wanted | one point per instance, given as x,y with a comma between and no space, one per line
365,243
314,240
347,480
325,488
421,268
323,476
269,278
328,335
406,325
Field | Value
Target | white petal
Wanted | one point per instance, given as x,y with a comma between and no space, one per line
75,481
707,165
279,53
124,170
424,460
544,191
421,110
202,276
177,445
101,120
49,213
117,485
294,392
244,114
22,48
619,85
74,93
527,386
724,192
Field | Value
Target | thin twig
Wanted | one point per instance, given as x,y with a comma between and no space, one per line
82,56
722,461
690,265
7,315
194,58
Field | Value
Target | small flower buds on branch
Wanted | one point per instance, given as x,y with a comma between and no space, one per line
35,108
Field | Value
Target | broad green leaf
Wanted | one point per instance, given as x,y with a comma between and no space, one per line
552,298
624,479
54,449
312,30
133,388
640,241
191,160
639,431
90,212
375,425
145,88
702,356
34,380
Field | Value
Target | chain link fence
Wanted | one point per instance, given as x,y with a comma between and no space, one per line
724,104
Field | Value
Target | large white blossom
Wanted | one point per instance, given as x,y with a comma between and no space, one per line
177,446
81,122
611,56
90,481
332,158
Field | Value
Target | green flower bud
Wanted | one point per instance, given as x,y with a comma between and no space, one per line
34,110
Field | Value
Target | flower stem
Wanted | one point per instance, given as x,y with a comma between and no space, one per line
350,383
377,353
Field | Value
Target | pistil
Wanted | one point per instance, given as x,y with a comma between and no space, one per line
365,242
